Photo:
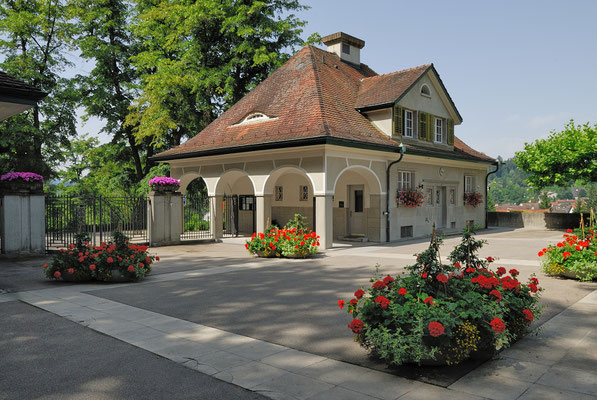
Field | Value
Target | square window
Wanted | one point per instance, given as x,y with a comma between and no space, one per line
304,193
405,181
279,193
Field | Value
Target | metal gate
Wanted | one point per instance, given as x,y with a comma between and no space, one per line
230,217
99,216
196,218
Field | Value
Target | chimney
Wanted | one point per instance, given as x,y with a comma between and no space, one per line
347,47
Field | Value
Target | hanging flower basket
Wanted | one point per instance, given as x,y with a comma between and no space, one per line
411,198
164,184
21,182
473,199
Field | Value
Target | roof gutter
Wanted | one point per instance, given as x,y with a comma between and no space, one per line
497,167
387,212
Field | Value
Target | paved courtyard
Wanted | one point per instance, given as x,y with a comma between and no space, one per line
273,327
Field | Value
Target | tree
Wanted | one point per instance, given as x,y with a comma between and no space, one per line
544,201
561,158
198,58
35,36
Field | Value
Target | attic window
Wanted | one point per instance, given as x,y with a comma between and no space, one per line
253,118
425,91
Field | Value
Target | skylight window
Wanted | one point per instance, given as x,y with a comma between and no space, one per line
254,118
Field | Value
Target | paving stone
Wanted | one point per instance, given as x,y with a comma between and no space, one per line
511,368
339,393
157,343
566,378
136,334
492,387
186,351
332,371
256,349
541,392
426,392
293,385
222,360
292,360
379,384
535,351
250,375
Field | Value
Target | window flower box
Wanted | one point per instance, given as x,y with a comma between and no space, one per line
22,182
473,199
411,198
164,184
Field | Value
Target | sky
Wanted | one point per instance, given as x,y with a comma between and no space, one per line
516,70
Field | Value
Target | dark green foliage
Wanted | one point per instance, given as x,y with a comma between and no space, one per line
466,252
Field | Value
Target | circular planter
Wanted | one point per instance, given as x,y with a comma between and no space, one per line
78,276
117,276
571,275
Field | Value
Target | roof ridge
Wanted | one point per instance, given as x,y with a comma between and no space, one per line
326,125
397,72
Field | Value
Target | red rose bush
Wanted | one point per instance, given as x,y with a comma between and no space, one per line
443,314
114,260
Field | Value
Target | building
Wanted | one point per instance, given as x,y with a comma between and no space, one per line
322,136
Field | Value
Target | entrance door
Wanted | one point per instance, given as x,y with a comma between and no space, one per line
356,211
440,203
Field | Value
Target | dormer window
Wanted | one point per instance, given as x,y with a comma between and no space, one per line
254,118
425,91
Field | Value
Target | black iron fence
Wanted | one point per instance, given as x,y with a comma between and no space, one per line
99,216
196,218
230,216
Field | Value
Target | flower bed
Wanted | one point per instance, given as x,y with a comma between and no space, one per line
410,198
294,241
111,261
443,314
574,257
473,199
164,184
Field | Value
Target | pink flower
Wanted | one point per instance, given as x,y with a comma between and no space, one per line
57,274
70,271
131,268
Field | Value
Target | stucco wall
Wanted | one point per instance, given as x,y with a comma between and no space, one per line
415,101
382,119
283,214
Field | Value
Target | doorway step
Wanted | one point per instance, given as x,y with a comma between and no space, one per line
355,238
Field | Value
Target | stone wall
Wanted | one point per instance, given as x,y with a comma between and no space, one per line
519,219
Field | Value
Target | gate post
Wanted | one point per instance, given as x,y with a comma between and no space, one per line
164,218
216,224
23,223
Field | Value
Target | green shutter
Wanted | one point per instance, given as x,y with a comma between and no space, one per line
422,125
430,127
451,132
398,120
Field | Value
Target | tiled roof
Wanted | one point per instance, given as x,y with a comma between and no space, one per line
13,87
311,97
385,89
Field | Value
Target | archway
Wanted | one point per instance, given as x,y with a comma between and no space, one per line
196,213
357,205
236,191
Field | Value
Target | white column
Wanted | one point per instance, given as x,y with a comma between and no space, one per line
216,222
164,218
263,212
23,223
324,216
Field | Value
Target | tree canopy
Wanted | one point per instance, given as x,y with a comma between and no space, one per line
562,158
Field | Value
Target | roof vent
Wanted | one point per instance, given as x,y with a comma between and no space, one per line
347,47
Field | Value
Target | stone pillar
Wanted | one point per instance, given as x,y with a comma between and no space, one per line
164,218
263,212
23,223
216,222
325,220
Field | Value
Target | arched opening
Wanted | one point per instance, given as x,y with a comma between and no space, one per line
291,191
357,205
196,215
237,192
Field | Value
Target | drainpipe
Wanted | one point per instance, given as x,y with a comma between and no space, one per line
497,167
387,212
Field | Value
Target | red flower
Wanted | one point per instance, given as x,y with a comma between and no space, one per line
567,254
45,266
356,326
513,272
533,287
157,258
110,260
498,325
540,254
131,268
436,329
92,267
382,301
81,259
578,248
442,278
424,275
402,291
71,271
302,242
456,264
534,280
470,269
57,274
498,295
388,279
528,315
569,230
560,244
428,300
341,303
353,302
247,246
379,285
490,259
501,271
359,293
141,265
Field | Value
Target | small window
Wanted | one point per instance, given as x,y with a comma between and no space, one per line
469,184
425,91
406,231
304,193
255,117
429,196
453,225
439,134
246,203
405,180
345,48
279,193
408,123
358,201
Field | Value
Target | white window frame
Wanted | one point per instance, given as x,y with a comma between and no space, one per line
405,180
469,184
408,113
439,130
